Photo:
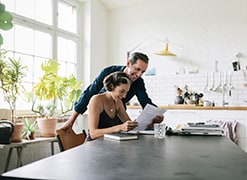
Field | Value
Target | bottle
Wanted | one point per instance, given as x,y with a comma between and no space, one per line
235,62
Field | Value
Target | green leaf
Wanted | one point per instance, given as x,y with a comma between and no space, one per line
2,8
1,39
6,21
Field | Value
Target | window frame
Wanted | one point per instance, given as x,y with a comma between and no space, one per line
54,31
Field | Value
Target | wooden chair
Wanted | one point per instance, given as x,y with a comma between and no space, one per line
69,140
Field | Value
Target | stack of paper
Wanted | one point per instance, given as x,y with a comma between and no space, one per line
202,129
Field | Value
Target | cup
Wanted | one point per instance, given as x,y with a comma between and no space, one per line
159,130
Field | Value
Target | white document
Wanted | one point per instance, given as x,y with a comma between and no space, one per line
147,115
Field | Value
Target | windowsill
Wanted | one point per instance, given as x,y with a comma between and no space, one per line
20,114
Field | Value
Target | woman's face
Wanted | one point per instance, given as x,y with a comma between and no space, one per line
120,91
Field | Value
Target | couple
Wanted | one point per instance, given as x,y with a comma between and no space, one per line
109,93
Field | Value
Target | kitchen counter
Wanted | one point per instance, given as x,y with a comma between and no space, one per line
180,114
193,107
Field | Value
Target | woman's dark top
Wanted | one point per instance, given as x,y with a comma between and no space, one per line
105,121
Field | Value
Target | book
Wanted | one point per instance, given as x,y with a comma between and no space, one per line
121,136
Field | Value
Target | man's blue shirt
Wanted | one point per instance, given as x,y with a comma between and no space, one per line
137,88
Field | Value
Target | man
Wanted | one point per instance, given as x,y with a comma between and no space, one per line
136,65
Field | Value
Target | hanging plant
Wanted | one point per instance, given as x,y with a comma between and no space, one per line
5,21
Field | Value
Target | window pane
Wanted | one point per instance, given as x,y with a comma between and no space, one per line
66,69
66,50
67,17
42,44
39,10
30,41
24,39
8,39
26,8
43,10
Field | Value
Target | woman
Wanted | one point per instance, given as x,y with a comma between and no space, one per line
106,111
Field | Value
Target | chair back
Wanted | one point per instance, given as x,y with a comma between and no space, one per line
68,140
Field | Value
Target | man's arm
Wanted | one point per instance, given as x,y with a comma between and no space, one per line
141,94
69,123
144,99
94,88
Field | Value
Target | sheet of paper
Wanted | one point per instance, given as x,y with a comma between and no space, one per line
146,116
146,132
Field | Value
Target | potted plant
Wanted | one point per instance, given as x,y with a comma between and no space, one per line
53,96
29,129
11,74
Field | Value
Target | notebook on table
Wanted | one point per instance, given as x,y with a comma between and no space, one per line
120,136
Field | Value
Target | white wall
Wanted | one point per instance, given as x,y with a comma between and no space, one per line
99,37
95,41
161,88
199,31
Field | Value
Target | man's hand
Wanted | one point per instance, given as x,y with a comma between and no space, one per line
67,126
129,125
157,119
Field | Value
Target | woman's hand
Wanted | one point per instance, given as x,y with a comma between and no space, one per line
129,125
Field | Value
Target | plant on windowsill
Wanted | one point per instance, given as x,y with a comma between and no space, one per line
11,74
29,129
53,96
11,70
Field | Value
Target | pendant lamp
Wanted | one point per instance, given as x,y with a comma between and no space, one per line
165,52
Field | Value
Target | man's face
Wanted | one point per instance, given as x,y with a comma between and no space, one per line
136,70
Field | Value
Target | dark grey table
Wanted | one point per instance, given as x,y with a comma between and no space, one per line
173,158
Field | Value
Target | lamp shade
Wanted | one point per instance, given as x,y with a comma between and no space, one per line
165,52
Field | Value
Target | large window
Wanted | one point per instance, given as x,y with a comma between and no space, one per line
43,29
